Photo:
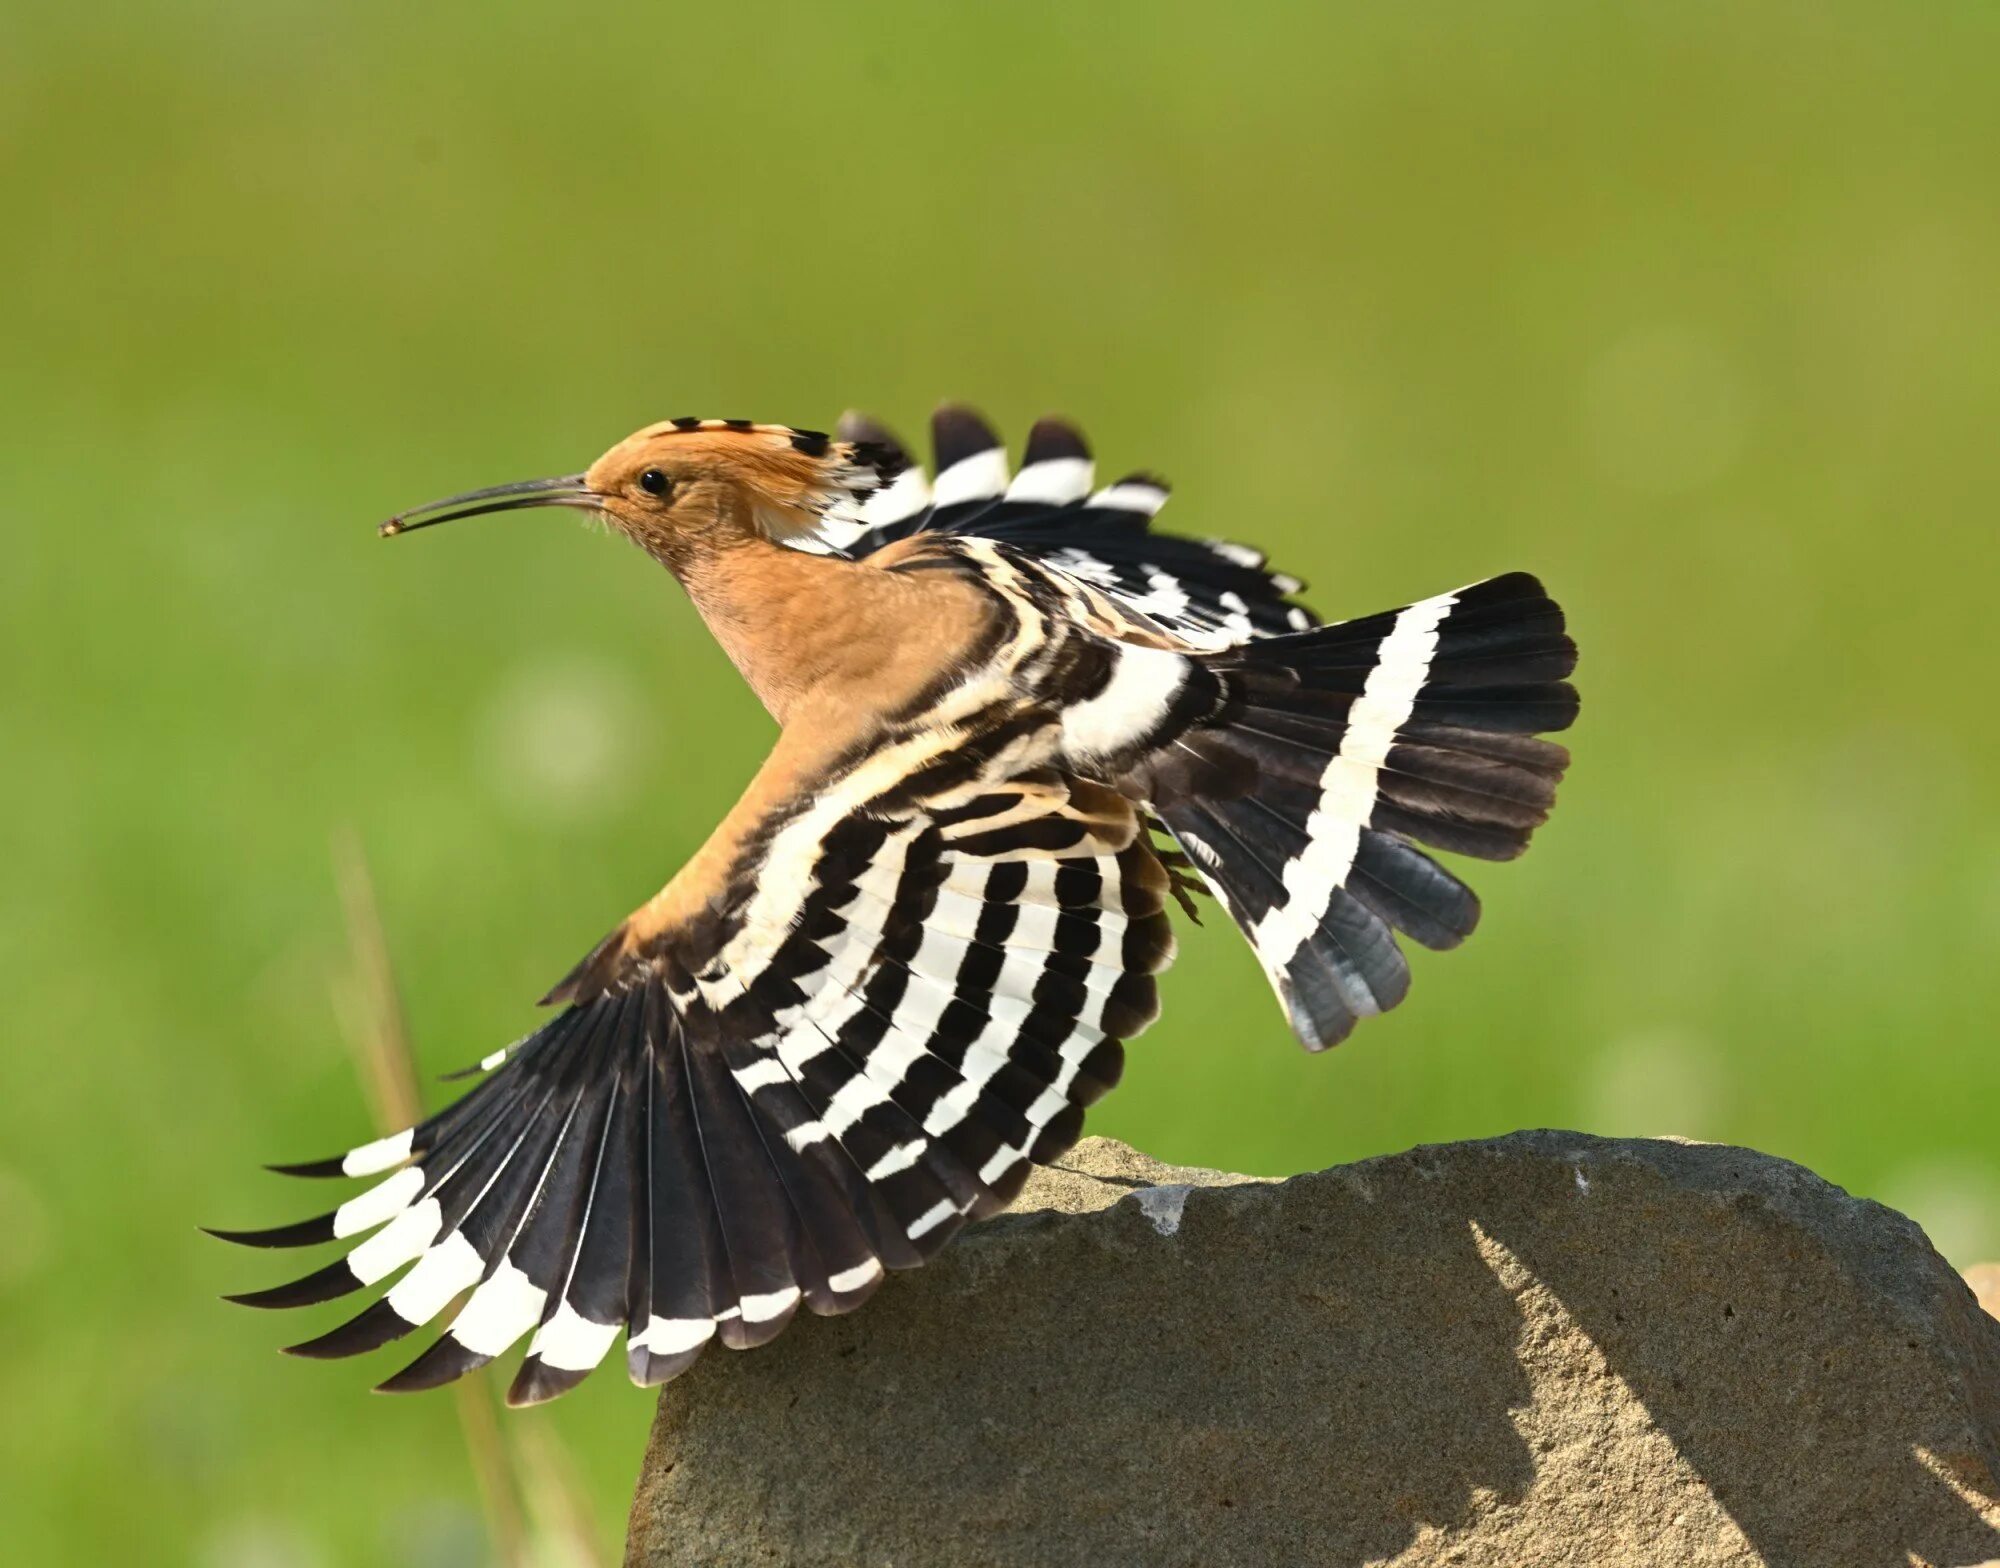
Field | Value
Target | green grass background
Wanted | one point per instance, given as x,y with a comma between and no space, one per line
1688,307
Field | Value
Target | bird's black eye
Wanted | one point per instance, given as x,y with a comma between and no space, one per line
653,482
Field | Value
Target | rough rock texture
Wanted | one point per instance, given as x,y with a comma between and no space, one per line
1545,1349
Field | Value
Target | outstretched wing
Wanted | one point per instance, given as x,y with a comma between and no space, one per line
1208,592
908,986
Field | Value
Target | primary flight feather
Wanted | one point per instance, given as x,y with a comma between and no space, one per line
1016,725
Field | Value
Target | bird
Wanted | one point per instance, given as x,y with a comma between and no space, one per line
1019,728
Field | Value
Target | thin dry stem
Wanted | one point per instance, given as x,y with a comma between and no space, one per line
372,1010
555,1495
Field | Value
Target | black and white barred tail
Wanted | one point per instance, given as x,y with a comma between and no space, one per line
1354,743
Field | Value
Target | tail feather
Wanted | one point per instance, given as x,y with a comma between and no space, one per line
1429,779
1507,710
1340,968
1366,738
1412,892
1476,784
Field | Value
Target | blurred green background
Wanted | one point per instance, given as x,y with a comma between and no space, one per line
1689,308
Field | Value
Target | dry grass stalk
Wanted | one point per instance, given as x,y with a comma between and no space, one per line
372,1014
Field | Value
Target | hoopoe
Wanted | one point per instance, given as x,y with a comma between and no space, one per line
1015,726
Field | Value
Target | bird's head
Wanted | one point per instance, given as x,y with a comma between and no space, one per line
685,485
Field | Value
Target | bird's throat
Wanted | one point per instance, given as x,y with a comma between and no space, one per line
792,623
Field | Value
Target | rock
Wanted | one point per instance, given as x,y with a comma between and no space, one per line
1544,1349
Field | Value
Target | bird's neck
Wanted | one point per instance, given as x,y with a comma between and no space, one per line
796,625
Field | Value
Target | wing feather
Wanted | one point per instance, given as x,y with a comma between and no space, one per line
1208,591
904,988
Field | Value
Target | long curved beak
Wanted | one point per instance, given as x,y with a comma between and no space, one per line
568,490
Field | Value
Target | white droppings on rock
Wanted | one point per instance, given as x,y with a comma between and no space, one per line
1582,1181
1163,1205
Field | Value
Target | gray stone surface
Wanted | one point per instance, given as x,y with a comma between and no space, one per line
1544,1349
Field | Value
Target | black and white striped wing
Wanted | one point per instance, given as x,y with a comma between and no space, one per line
1209,593
903,1004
